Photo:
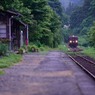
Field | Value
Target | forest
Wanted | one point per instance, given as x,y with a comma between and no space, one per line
81,19
47,18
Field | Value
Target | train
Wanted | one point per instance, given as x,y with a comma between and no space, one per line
73,41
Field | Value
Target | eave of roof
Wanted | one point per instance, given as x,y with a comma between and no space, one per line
11,12
16,14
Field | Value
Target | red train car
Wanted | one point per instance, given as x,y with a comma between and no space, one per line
73,41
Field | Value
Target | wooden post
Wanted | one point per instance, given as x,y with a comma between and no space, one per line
27,39
10,32
21,38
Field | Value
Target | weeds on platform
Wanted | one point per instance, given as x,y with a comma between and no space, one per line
9,60
63,48
1,72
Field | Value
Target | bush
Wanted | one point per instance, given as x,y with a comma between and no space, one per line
25,48
83,41
42,48
90,51
63,48
4,40
33,48
3,49
21,51
29,48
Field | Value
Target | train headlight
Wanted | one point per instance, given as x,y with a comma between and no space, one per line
76,41
70,41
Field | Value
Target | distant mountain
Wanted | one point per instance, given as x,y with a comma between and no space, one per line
76,2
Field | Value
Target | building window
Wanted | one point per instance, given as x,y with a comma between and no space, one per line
2,31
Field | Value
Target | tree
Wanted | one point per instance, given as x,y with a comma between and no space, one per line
91,35
70,8
76,18
5,3
44,22
56,29
83,17
59,10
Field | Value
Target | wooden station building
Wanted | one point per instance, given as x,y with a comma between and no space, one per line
13,30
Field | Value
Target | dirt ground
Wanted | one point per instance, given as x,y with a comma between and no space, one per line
52,73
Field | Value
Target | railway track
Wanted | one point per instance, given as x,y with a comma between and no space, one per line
85,64
74,49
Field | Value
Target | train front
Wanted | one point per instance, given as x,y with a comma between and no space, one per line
73,41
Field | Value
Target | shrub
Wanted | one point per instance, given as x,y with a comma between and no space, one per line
4,40
25,48
3,49
21,51
42,48
29,48
63,48
90,51
33,48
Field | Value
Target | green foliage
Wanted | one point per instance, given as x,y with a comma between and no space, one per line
84,31
82,17
10,60
3,49
5,3
4,40
42,49
45,19
71,7
66,33
25,48
91,35
83,41
81,22
89,52
2,72
33,48
56,6
65,19
56,30
21,51
76,18
47,24
63,48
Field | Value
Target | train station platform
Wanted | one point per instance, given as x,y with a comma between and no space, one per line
53,73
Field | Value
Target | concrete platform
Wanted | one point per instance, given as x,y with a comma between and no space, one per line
53,73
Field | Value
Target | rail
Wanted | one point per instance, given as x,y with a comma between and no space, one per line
85,64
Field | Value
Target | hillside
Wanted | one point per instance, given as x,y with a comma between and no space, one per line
66,2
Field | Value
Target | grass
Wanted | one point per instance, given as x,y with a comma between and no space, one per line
10,60
63,48
89,52
1,72
66,50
